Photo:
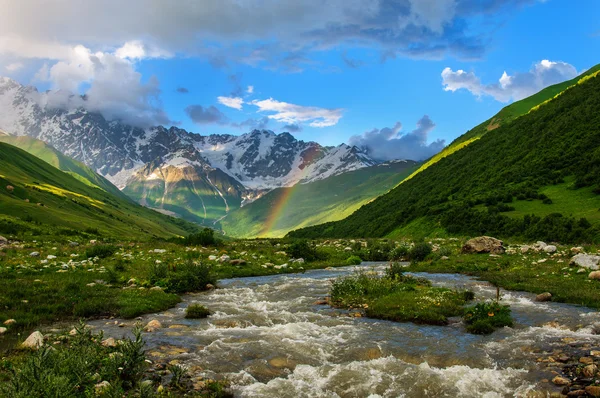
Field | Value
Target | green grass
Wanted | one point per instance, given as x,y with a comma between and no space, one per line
484,318
397,297
565,200
524,273
49,199
308,204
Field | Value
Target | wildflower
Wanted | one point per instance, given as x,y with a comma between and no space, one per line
490,314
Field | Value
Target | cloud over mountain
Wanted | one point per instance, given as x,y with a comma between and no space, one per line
390,143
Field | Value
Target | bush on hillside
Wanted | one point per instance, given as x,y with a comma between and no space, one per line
100,251
420,251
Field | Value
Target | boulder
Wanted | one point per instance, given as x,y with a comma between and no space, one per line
483,244
9,322
550,249
3,330
10,188
238,261
224,258
594,391
588,261
34,254
543,297
109,342
212,257
3,241
152,325
590,370
104,385
73,244
35,340
595,275
561,381
539,246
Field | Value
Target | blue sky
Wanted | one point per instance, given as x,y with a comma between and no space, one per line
363,72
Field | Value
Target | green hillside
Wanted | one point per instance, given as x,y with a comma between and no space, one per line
506,115
535,177
51,155
331,199
36,198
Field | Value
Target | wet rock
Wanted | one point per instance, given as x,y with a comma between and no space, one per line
561,381
483,244
590,371
371,353
586,360
282,362
209,286
320,302
595,353
35,340
153,325
595,275
594,391
543,297
588,261
576,393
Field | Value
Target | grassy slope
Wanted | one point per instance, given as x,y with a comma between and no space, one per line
533,153
70,203
330,199
506,115
50,155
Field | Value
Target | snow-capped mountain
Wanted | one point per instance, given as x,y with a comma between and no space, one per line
170,168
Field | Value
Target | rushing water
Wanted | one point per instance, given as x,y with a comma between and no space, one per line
269,338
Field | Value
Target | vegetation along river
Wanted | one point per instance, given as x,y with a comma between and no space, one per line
269,338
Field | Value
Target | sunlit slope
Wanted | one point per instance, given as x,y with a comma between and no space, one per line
333,198
34,192
51,155
545,163
506,115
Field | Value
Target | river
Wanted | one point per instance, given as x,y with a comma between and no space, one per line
269,339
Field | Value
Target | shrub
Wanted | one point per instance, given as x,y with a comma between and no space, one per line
188,277
196,311
484,318
395,271
206,237
100,251
419,252
353,260
302,249
400,253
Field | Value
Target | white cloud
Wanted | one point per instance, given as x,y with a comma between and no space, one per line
296,114
114,87
390,143
15,66
511,87
136,50
231,102
250,89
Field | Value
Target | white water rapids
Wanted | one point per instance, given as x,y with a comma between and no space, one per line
269,339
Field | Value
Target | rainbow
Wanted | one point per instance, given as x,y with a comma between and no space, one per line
283,200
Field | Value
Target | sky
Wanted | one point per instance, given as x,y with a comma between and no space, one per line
398,78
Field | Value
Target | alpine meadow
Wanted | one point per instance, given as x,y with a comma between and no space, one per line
281,199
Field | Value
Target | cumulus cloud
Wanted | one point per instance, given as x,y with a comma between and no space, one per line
260,32
15,66
231,102
294,114
250,90
390,143
112,85
511,87
205,115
